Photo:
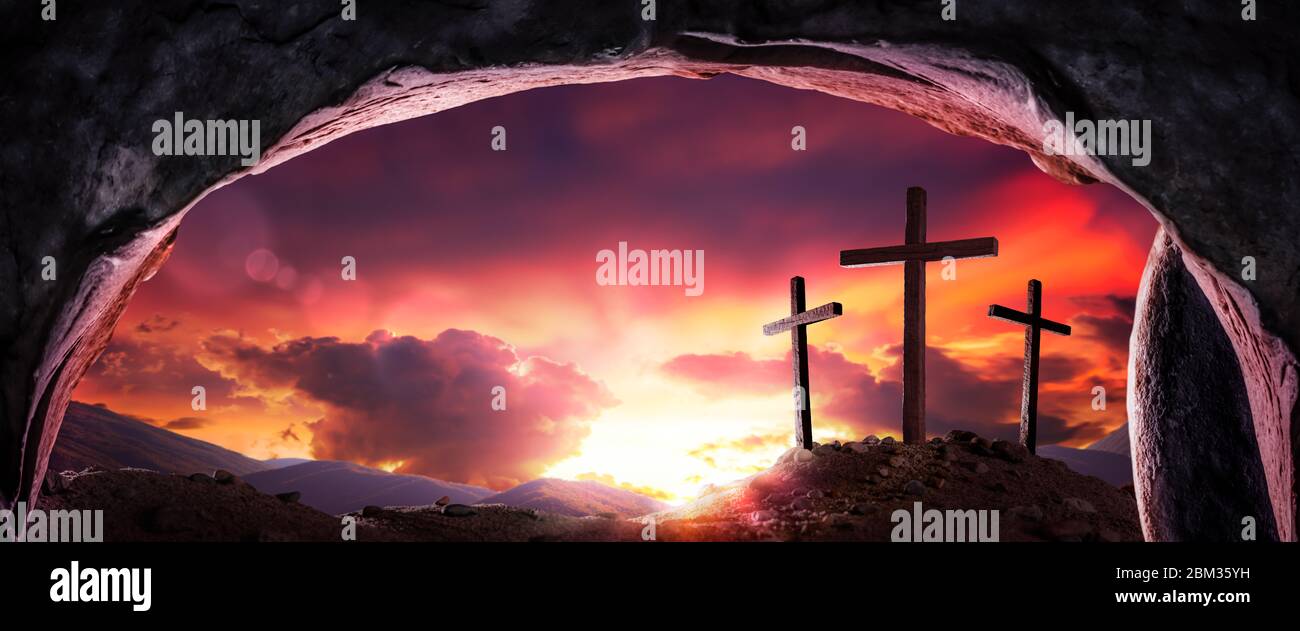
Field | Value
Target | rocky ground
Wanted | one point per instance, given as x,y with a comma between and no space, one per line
832,493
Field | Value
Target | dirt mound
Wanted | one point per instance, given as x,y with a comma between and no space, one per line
835,492
850,492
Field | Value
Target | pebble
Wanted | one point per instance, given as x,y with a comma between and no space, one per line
764,515
959,436
443,501
980,468
224,477
1079,505
823,450
888,440
1011,452
290,497
914,487
458,510
803,455
856,448
937,482
815,494
897,461
871,440
883,471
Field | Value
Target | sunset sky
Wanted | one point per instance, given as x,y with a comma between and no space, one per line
477,268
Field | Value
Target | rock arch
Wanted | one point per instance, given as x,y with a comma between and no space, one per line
78,180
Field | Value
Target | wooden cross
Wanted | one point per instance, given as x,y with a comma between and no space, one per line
1034,323
797,324
914,254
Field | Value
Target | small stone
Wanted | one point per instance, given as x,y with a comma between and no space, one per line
443,501
871,440
863,508
803,455
290,497
888,440
1079,505
787,455
937,483
889,449
224,477
202,477
959,436
897,461
814,494
914,487
883,471
856,447
1011,452
764,515
458,510
980,468
823,450
371,511
1030,513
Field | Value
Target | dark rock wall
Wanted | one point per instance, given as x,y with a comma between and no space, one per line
1197,466
78,180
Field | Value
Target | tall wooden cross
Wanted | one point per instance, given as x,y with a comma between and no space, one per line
797,324
1034,323
914,254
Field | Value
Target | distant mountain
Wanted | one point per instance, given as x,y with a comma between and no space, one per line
577,499
343,487
1115,442
1114,468
95,435
280,463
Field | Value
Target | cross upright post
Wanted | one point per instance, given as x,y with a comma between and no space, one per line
1034,324
914,254
797,324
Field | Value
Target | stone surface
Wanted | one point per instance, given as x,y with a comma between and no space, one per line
1197,465
81,185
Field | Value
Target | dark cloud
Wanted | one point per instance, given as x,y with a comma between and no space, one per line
428,403
157,324
186,422
142,368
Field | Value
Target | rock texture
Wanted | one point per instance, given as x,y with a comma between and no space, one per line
79,183
1197,464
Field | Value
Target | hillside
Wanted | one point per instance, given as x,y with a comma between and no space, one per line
340,487
96,436
1114,442
566,497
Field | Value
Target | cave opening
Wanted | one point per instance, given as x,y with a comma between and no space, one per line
364,303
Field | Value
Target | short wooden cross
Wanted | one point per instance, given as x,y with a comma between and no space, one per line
914,254
1033,323
797,324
